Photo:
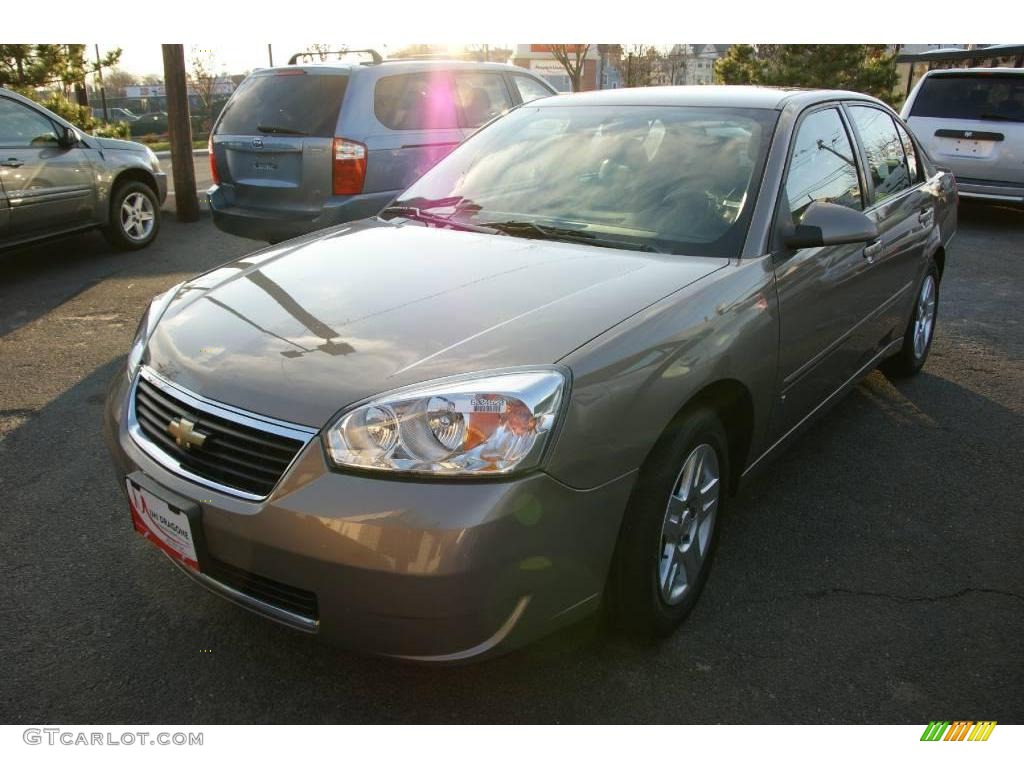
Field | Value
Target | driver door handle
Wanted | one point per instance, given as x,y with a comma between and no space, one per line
12,162
872,251
926,217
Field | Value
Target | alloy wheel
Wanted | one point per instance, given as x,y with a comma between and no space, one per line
924,320
137,216
688,524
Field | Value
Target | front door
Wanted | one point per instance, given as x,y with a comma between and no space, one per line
824,292
49,188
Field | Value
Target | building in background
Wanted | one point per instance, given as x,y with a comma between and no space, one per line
698,59
538,58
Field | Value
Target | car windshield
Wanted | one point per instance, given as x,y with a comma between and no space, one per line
657,178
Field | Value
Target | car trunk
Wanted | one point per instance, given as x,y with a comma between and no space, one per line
273,142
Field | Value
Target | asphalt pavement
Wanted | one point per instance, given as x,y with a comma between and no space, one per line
872,575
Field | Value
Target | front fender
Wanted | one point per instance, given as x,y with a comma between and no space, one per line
630,382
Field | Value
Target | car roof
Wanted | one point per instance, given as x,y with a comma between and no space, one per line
745,96
975,71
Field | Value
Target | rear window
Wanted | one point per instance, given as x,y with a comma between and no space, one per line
416,102
286,104
971,97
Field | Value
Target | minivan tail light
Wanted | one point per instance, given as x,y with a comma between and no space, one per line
349,171
213,163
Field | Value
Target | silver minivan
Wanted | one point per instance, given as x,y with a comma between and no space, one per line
972,122
302,147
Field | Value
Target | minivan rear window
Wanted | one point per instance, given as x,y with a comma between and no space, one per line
971,97
284,103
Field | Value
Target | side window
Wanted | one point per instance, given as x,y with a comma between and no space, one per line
529,88
415,102
913,167
481,96
22,127
887,164
822,168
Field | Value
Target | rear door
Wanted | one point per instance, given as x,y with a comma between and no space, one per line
49,188
972,123
274,139
416,123
904,212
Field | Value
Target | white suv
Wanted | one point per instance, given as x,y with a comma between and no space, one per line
972,122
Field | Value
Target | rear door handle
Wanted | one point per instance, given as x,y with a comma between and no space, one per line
926,217
872,250
12,162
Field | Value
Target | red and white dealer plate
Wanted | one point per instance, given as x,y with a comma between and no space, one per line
166,527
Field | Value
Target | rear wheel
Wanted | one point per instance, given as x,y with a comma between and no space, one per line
669,533
917,339
134,216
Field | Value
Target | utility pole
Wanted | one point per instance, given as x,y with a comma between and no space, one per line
103,90
179,126
270,53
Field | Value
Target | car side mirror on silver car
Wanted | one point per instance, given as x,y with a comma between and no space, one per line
830,224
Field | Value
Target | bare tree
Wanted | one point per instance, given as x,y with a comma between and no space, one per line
639,65
675,61
202,77
116,80
572,57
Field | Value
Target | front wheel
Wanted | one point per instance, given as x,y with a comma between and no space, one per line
917,339
134,216
668,536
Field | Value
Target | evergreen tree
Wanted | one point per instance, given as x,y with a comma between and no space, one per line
867,69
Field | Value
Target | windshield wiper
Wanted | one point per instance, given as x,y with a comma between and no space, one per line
564,234
417,214
280,129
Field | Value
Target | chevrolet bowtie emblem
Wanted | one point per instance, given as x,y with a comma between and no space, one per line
184,434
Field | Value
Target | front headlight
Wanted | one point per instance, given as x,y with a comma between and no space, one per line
484,425
147,324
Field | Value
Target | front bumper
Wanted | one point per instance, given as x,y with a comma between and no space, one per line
429,571
161,186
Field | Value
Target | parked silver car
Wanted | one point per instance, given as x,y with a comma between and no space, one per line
55,179
303,147
972,122
530,385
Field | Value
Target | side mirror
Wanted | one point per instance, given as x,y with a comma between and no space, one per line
830,224
66,137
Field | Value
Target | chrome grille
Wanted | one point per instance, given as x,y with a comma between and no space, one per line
234,454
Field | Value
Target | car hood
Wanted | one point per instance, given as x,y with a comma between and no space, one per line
302,329
129,146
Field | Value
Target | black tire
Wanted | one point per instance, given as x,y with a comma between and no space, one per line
119,232
634,593
908,361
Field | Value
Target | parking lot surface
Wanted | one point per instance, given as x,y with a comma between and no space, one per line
873,574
